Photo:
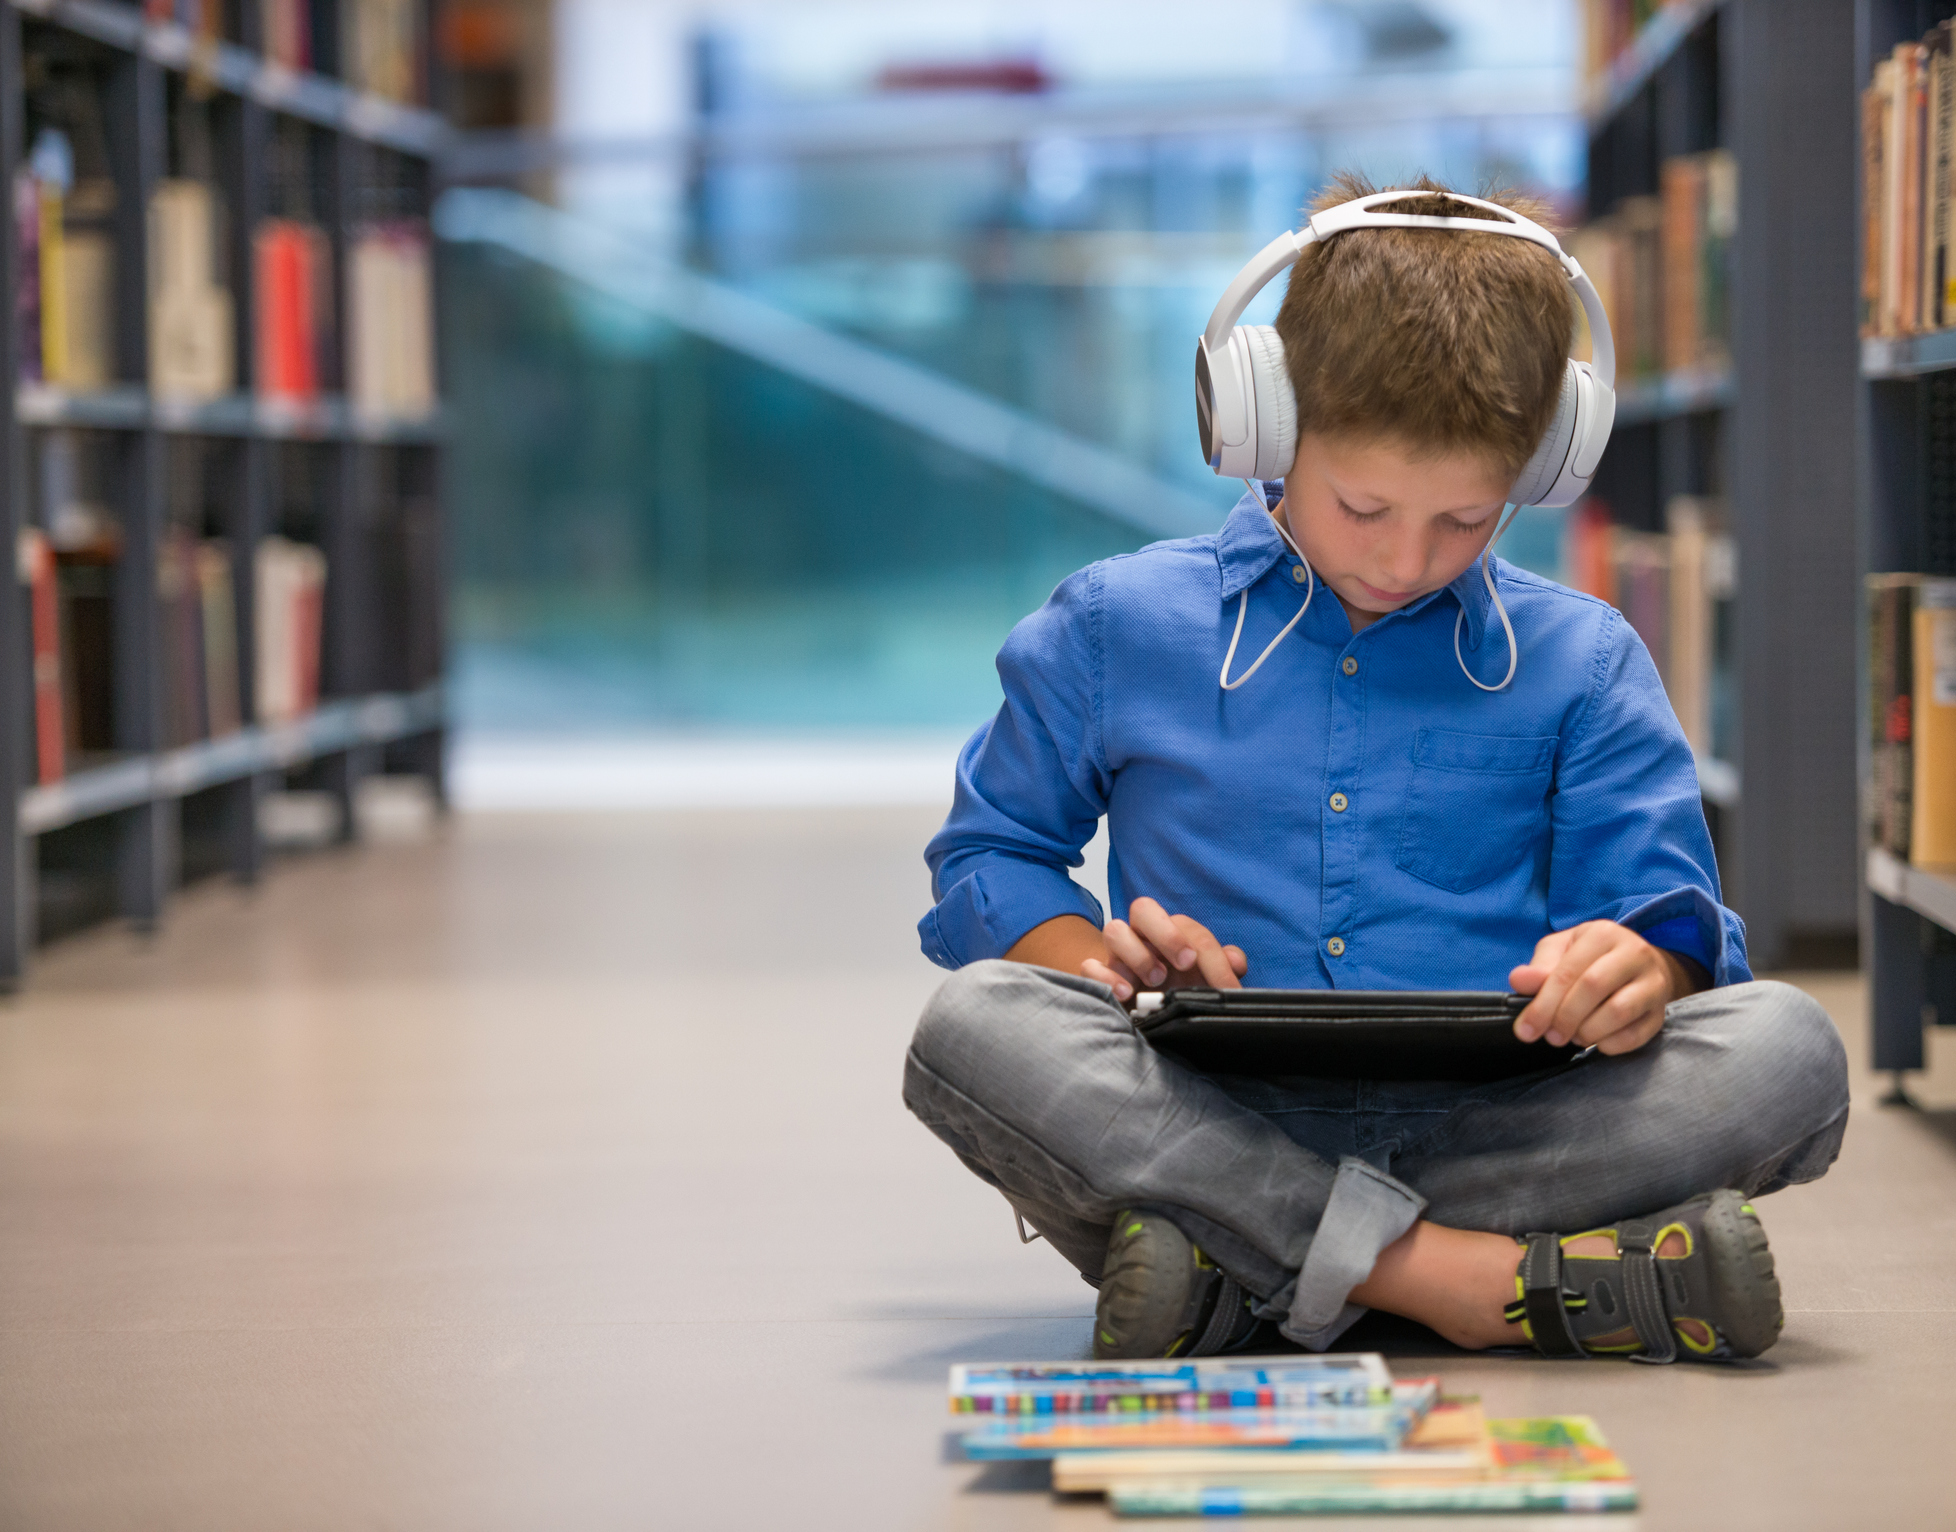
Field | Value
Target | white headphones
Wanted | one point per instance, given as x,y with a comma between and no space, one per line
1247,413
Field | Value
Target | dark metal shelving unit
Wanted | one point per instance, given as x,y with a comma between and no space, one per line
1771,81
382,706
1910,916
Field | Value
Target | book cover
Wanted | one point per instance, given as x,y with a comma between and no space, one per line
1551,1463
1210,1383
1450,1442
1380,1427
1932,809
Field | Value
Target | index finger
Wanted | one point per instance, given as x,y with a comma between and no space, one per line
1163,932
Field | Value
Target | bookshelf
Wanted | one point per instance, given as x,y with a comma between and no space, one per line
176,475
1907,381
1752,434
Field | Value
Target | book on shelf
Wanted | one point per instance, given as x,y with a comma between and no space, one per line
65,298
191,324
1674,588
391,362
289,589
85,577
1932,811
1891,710
1908,168
1910,809
293,298
285,31
179,614
218,615
34,560
383,48
1662,268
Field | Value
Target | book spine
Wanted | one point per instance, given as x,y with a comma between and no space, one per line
27,274
1932,809
1874,114
1169,1498
36,569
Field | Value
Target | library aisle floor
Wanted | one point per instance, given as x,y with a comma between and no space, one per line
550,1173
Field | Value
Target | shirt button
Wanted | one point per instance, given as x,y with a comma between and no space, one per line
1297,573
1339,803
1350,667
1336,946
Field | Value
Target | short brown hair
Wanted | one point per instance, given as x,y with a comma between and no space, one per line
1449,342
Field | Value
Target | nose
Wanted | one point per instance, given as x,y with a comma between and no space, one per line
1403,562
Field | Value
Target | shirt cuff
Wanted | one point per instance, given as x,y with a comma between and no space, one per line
1681,936
985,913
1717,939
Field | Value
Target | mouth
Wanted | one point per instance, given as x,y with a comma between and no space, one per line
1385,595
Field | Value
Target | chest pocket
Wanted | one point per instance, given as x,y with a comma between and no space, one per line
1477,807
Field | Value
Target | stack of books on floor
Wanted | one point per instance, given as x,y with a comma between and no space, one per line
1279,1436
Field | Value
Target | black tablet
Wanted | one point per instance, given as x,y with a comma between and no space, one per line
1346,1034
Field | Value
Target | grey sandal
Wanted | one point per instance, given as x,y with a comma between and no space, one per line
1695,1280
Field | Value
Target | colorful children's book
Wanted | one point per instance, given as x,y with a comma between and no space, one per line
1451,1443
1356,1428
1213,1383
1552,1463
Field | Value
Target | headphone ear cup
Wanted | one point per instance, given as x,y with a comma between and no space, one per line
1542,471
1275,435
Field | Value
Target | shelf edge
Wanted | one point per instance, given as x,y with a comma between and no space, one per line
377,719
1930,894
1907,356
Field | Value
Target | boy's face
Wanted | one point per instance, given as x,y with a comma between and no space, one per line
1382,527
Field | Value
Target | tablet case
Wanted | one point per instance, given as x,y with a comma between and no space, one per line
1346,1034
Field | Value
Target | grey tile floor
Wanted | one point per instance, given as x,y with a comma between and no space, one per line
551,1173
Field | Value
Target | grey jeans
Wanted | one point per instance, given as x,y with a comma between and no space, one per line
1042,1087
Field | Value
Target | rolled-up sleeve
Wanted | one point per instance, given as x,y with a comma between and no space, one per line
1629,824
1031,786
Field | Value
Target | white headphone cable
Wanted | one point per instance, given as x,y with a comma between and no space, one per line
1243,606
1487,574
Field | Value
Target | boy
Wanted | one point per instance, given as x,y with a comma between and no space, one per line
1359,816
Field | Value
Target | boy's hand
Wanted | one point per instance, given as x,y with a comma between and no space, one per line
1600,985
1153,949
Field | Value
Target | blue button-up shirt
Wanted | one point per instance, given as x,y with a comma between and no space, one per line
1357,815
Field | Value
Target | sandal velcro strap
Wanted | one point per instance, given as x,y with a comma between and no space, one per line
1542,1298
1643,1294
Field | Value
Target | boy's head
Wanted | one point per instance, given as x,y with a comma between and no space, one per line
1443,341
1427,365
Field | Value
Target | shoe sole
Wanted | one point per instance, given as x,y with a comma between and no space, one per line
1743,1279
1151,1313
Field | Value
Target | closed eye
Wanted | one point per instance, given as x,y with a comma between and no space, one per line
1358,515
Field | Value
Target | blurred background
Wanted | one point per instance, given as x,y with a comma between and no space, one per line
797,350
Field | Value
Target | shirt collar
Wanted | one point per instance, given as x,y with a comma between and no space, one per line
1249,545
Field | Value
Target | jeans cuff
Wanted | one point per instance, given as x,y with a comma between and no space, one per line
1367,1211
